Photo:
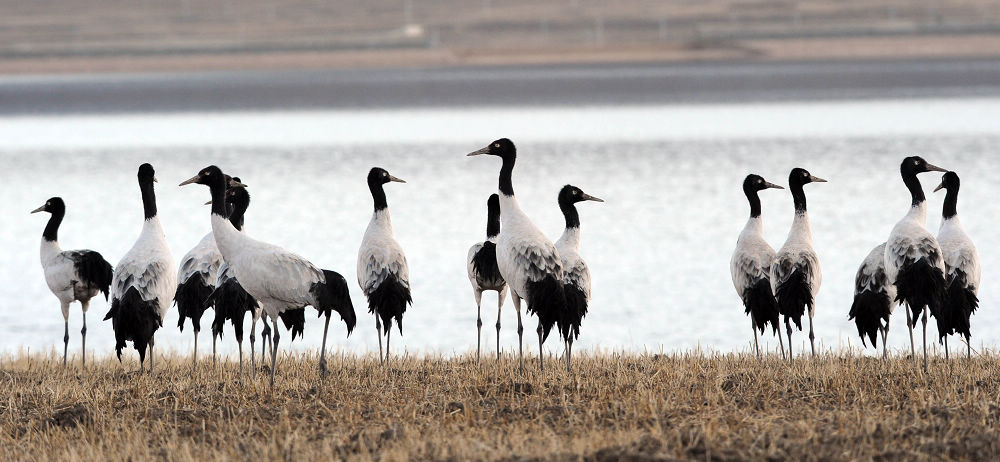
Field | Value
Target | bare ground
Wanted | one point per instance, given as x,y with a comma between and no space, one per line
612,407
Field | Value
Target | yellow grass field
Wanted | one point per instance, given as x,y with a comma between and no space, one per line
612,407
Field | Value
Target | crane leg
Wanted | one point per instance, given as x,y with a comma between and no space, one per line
569,355
65,343
152,343
239,344
788,329
924,319
910,323
83,334
541,353
213,351
781,342
479,325
267,339
274,349
253,347
378,329
812,336
520,332
194,357
885,341
499,306
946,347
322,352
753,325
388,333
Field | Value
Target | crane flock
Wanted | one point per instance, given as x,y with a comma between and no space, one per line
236,275
935,277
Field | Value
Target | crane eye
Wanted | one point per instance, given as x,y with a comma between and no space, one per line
496,145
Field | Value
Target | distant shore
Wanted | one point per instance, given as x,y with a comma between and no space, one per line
874,48
525,85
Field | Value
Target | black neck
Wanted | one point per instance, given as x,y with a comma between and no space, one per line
493,224
951,203
798,196
148,198
506,187
236,217
572,216
916,191
51,232
218,190
378,195
754,199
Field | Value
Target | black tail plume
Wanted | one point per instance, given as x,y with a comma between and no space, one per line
484,263
94,270
759,301
334,295
190,299
920,284
231,303
576,310
135,320
793,296
547,299
959,303
388,301
869,311
294,320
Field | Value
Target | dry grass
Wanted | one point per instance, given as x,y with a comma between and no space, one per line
651,407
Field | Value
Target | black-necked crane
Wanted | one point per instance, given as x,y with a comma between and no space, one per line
383,274
72,275
230,299
484,274
961,261
913,260
751,266
528,261
144,281
874,299
796,274
197,275
576,274
280,280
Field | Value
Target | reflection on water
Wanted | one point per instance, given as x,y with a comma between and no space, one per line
658,248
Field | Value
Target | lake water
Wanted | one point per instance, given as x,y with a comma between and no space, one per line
658,248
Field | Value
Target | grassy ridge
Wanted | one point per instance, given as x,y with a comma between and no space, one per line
656,407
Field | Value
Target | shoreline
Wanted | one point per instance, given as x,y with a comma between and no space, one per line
804,50
500,86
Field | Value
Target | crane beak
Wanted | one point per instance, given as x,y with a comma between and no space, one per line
39,209
236,184
815,179
155,180
769,185
396,180
940,186
935,168
208,203
193,179
480,152
588,197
